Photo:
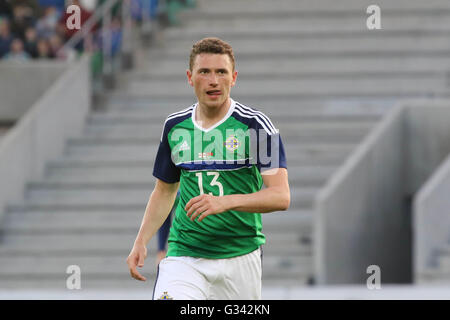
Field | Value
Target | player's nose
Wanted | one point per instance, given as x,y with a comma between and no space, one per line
213,79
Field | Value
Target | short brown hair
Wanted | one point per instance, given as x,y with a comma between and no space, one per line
211,45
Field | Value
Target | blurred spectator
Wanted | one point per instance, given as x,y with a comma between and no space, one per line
59,5
46,26
22,19
30,43
5,8
38,28
43,49
56,43
116,35
115,28
42,36
17,52
56,48
31,5
5,37
138,7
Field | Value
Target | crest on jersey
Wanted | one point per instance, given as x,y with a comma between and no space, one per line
232,143
165,296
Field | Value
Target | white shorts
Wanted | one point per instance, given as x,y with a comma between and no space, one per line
188,278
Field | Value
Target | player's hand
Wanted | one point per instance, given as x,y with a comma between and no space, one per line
204,205
136,259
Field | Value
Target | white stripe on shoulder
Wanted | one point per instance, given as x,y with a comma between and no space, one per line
176,115
180,113
270,124
238,111
250,109
271,130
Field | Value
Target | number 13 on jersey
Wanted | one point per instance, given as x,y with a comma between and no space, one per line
214,182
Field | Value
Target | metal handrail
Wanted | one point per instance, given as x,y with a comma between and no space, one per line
104,13
85,29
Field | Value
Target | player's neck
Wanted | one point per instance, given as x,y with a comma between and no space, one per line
207,116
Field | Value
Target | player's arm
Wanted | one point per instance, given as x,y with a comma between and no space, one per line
275,197
158,208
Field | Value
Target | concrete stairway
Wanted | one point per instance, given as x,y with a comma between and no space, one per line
311,66
440,273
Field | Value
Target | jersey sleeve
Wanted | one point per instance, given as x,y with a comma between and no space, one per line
271,152
269,149
164,168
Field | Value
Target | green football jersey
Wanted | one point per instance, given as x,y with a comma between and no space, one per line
225,159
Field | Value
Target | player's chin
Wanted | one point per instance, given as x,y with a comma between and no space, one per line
213,102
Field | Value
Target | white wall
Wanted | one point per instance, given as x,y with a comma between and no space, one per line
22,84
363,215
41,133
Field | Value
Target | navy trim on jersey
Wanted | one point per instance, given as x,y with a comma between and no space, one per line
164,168
179,113
176,118
208,165
258,115
252,110
257,121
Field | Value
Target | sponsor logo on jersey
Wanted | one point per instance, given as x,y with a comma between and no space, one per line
232,143
205,155
184,146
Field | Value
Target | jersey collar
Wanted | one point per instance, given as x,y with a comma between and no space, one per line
230,111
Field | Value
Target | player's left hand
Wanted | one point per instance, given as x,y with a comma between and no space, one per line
204,205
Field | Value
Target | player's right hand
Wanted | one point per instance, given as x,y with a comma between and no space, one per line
136,259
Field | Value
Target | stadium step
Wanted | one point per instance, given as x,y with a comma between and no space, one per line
435,277
312,154
126,196
77,243
324,96
140,132
142,175
268,7
149,114
311,66
42,222
98,272
147,119
304,86
324,44
362,33
317,21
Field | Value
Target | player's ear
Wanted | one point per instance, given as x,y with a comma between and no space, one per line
233,82
189,76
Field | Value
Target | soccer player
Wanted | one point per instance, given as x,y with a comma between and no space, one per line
219,154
